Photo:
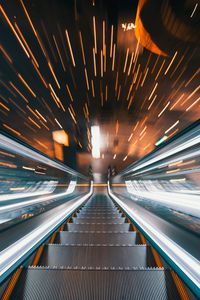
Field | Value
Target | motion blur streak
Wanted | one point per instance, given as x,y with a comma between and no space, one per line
15,147
187,263
45,188
184,202
11,255
21,204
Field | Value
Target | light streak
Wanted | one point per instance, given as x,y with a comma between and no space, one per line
59,53
177,101
125,158
163,139
162,111
145,75
95,35
26,85
170,128
186,262
155,64
30,22
10,256
93,92
4,106
69,92
153,90
14,31
7,56
126,59
171,62
194,103
152,102
11,129
172,171
130,137
111,41
58,124
113,58
94,62
86,78
26,44
41,115
70,48
82,48
101,63
159,71
193,76
54,75
16,89
95,141
193,12
34,123
130,64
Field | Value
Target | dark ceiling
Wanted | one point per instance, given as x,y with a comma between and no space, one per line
76,63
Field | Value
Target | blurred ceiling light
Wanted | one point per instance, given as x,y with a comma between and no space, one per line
95,141
61,137
114,156
128,26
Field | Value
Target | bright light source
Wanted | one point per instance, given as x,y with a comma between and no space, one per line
164,138
61,137
95,141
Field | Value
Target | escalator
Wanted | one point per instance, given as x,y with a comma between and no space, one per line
97,254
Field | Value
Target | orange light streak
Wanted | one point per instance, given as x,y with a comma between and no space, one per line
111,41
126,59
14,31
171,62
26,44
82,47
69,92
54,76
70,48
16,89
26,85
7,56
32,121
95,34
11,129
162,111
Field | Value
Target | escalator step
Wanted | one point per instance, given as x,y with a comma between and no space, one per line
129,238
84,220
98,227
98,214
97,256
51,284
99,210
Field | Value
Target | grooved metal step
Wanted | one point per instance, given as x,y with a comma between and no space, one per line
97,220
99,215
98,227
129,238
63,284
97,256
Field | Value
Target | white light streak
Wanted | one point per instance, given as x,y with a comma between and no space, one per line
95,141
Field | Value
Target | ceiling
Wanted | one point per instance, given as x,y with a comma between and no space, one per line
131,67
